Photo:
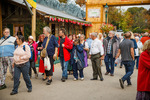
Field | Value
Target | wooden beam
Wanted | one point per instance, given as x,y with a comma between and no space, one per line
119,3
33,23
0,18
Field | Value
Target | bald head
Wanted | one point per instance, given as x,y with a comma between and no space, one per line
146,34
128,35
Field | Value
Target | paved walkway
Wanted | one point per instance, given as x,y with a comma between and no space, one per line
109,89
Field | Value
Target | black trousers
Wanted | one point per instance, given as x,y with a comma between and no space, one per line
32,66
50,72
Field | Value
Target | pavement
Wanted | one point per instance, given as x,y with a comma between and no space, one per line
109,89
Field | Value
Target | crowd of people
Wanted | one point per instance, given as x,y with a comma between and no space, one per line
73,52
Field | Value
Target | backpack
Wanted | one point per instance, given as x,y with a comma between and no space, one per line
32,52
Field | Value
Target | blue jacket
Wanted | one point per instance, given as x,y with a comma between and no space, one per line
51,45
80,54
7,48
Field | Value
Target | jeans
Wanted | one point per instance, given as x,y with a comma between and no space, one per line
75,71
129,67
25,72
137,61
109,60
64,65
32,66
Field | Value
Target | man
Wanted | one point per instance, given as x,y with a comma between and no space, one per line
96,53
89,41
7,49
111,46
51,49
126,49
145,38
65,45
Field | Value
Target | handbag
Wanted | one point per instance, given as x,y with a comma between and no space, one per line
44,52
79,64
47,64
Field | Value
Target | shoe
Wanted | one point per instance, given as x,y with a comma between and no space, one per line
106,73
44,79
3,87
30,90
111,74
120,66
75,79
129,84
82,79
121,83
63,79
66,78
94,79
36,76
13,93
49,82
102,79
43,74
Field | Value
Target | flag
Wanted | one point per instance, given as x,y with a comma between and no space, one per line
32,3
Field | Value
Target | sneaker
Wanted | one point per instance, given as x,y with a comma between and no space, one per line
49,82
106,73
30,90
94,79
36,76
82,79
13,93
63,79
44,79
3,87
111,74
75,79
102,79
121,83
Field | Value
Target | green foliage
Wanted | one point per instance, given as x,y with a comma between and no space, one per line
39,27
27,31
134,19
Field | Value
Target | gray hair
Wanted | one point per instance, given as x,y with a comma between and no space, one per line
113,32
137,38
47,29
94,34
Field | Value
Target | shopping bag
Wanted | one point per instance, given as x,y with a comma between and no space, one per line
41,66
47,64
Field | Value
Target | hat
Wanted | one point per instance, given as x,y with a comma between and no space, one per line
31,37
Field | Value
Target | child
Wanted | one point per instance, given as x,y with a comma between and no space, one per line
77,60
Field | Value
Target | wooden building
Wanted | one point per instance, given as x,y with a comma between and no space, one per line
15,15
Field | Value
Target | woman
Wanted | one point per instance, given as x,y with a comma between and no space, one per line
21,64
135,44
77,55
74,37
138,51
70,36
143,81
41,39
85,49
33,45
104,41
39,48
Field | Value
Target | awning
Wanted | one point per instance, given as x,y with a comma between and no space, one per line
57,15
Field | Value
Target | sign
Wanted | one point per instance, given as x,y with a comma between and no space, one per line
94,13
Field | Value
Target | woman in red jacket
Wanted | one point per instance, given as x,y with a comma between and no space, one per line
143,83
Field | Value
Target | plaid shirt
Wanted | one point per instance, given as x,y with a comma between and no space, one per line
109,46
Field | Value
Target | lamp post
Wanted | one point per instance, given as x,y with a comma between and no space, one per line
106,12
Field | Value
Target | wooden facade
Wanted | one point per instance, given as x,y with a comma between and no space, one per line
99,4
16,17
